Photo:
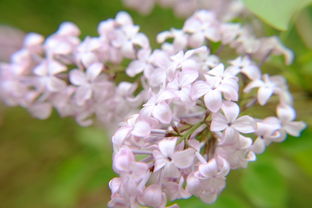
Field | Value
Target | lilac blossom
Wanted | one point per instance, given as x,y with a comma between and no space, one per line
184,120
225,9
190,137
75,77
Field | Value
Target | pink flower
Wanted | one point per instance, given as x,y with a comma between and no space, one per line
153,196
159,108
287,114
247,67
64,41
229,121
266,87
47,71
180,41
218,82
202,25
87,82
170,160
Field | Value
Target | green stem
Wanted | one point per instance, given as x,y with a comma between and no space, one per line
190,132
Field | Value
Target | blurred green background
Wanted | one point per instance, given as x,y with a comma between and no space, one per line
57,164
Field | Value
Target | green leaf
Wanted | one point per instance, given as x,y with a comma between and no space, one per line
264,185
229,200
277,13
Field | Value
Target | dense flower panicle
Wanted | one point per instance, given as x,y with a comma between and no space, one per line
192,129
204,27
225,9
186,123
192,135
75,77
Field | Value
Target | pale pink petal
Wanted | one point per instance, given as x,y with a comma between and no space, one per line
212,34
135,68
171,171
245,142
209,169
199,88
160,161
258,146
167,147
83,93
54,84
251,156
218,122
217,71
245,124
94,71
114,185
161,37
141,129
120,135
229,92
252,72
123,160
77,77
55,67
184,94
286,113
162,112
230,110
209,197
41,69
230,135
141,40
165,95
294,128
193,184
188,76
128,49
153,196
191,25
254,84
183,159
264,93
68,29
196,40
123,18
33,39
213,100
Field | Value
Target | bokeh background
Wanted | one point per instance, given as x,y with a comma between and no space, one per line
57,164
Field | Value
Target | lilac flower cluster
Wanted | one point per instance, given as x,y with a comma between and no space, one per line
75,77
197,123
204,27
224,9
190,117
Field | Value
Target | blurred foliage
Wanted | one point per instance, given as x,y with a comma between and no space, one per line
277,13
57,164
